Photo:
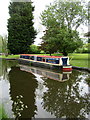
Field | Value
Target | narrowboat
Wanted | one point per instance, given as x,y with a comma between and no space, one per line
63,76
60,62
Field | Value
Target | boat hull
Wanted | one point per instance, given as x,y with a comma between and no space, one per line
67,68
42,65
45,65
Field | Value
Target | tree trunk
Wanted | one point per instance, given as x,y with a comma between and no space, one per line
88,40
65,53
50,53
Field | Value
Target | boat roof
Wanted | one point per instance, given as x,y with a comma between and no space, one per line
46,56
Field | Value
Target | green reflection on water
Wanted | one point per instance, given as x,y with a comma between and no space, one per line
62,99
65,99
2,112
24,84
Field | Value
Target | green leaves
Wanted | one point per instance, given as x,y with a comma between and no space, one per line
34,49
21,33
62,20
69,13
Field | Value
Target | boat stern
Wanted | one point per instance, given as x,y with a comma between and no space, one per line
67,68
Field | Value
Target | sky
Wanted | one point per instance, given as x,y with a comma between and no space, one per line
39,7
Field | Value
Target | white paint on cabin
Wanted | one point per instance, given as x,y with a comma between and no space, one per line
35,58
60,61
44,60
68,61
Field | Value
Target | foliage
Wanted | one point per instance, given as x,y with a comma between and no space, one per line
42,52
48,47
0,44
62,20
34,49
21,33
84,49
69,13
60,39
3,44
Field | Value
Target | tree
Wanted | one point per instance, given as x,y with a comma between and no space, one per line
34,49
62,20
84,49
21,33
3,44
47,48
49,41
0,44
59,39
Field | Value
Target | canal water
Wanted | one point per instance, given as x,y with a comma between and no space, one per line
33,92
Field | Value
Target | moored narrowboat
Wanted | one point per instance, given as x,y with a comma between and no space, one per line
54,61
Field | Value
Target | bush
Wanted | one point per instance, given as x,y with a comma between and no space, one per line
42,52
34,49
84,49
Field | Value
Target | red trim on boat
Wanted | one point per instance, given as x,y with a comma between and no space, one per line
67,69
42,56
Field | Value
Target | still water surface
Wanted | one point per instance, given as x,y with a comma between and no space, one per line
30,92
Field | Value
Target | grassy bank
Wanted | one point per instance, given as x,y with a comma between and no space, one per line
9,56
79,60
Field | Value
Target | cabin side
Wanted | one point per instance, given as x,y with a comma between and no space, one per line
60,61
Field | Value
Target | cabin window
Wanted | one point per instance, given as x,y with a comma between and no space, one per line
32,57
57,61
25,57
53,60
43,59
21,56
39,58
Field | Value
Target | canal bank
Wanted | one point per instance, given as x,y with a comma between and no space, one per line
81,68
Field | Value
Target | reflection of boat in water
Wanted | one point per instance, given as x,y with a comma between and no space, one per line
44,72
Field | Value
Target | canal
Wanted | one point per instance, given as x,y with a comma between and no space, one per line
33,92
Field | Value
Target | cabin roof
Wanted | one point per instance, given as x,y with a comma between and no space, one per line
42,56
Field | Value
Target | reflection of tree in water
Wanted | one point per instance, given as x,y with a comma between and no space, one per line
3,68
22,92
65,99
5,65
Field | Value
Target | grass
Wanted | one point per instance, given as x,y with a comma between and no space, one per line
80,60
10,56
76,59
